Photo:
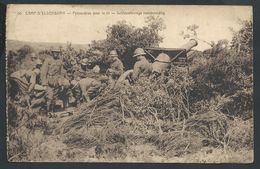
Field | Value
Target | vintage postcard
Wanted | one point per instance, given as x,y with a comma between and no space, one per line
129,83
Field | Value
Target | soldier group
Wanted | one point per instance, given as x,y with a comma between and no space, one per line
74,83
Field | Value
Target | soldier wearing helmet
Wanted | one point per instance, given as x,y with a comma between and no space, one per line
161,65
52,74
116,66
82,71
55,53
142,67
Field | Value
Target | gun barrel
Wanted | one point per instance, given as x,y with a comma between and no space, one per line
188,46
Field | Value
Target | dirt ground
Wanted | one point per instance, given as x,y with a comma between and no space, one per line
52,149
44,147
59,152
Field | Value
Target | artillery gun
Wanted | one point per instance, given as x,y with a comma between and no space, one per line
163,59
170,56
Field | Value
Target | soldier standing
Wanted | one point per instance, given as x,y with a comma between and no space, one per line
53,77
142,67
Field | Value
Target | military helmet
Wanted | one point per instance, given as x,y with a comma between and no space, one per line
138,52
113,53
84,61
161,64
37,71
38,62
163,57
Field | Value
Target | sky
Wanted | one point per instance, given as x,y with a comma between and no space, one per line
81,24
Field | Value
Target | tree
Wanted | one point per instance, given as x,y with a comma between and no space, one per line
125,38
242,40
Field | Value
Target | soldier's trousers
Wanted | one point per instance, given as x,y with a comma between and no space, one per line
54,89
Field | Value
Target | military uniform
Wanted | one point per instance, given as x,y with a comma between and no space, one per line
52,74
89,88
161,65
142,67
117,68
52,70
25,80
81,73
84,79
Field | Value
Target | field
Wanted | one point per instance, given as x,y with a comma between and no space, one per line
37,46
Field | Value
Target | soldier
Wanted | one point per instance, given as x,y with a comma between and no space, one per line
25,80
76,93
88,87
142,67
161,65
83,71
30,63
71,69
116,67
52,76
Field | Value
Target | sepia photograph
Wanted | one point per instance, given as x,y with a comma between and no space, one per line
129,83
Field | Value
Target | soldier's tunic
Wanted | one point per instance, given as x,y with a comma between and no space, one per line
142,68
51,71
117,67
23,80
89,87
